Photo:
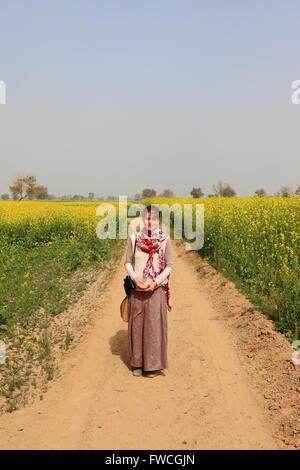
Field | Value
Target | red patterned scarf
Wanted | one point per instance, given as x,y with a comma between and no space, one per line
153,245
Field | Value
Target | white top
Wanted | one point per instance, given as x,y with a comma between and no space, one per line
140,261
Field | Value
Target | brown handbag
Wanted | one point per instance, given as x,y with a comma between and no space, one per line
124,309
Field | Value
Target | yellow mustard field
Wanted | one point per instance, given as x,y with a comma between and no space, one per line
42,245
255,241
43,221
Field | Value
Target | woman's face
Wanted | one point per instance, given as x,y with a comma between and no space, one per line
151,221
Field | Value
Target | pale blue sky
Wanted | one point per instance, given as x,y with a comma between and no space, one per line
114,96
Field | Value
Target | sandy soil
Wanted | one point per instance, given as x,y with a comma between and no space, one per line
229,385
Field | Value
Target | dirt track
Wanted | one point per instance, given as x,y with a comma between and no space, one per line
205,400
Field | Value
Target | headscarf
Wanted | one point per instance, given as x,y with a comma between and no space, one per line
153,244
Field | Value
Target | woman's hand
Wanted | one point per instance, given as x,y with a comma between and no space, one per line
150,286
139,283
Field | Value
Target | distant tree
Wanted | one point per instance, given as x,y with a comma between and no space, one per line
285,191
5,196
91,196
211,195
197,192
111,198
31,187
26,187
229,191
260,192
166,193
18,189
137,197
148,193
41,192
223,190
298,190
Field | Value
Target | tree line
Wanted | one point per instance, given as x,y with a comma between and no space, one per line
26,187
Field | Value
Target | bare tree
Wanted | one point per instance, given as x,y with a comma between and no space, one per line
31,186
223,190
298,191
284,191
26,187
148,193
166,193
18,189
41,192
197,192
260,193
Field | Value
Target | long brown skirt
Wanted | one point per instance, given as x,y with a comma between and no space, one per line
148,329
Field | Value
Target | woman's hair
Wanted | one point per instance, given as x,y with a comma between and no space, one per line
153,209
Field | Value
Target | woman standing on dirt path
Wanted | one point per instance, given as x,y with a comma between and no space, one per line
150,301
